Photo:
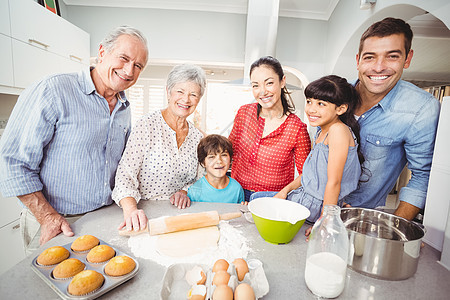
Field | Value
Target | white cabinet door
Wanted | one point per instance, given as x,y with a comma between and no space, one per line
6,74
33,24
70,66
13,253
72,42
32,63
4,18
10,211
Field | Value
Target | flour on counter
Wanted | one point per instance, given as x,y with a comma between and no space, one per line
232,244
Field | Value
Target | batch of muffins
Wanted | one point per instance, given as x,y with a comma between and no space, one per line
82,263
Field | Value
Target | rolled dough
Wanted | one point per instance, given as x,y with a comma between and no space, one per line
188,242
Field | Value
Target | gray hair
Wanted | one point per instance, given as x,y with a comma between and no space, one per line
109,42
184,73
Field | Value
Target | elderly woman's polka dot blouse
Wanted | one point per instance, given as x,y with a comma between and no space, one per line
267,163
152,167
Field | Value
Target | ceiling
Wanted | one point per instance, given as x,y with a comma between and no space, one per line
431,61
311,9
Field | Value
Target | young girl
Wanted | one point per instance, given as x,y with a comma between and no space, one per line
214,154
333,168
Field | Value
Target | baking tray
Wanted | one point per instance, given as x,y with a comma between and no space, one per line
60,285
175,286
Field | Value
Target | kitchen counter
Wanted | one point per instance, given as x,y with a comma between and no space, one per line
283,264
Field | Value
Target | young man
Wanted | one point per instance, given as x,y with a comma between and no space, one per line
60,150
398,120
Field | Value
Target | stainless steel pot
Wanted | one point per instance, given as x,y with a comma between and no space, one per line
382,245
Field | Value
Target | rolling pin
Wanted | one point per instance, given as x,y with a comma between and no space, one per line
163,225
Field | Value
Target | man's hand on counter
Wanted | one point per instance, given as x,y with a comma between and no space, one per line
52,225
180,199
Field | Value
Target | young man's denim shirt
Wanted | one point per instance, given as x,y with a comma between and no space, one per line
400,129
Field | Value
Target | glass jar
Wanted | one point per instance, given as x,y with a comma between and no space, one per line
327,254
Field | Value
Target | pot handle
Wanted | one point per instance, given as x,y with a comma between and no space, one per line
420,225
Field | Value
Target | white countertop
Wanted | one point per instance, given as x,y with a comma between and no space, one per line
283,264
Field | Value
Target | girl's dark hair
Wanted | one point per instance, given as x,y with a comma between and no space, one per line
213,143
274,64
337,90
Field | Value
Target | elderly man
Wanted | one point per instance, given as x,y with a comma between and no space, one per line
64,139
398,120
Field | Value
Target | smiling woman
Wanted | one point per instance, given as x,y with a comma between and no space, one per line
160,160
269,140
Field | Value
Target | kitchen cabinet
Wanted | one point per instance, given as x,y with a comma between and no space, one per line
4,18
42,43
10,233
14,253
10,211
6,62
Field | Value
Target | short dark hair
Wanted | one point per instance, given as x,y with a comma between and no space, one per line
387,27
213,143
275,65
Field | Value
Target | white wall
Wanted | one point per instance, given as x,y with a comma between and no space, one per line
172,34
344,31
206,36
301,44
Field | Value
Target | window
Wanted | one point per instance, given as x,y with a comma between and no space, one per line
146,96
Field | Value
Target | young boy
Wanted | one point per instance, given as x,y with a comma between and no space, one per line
214,154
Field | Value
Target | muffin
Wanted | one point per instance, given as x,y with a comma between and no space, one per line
52,256
100,254
85,282
84,243
68,268
120,265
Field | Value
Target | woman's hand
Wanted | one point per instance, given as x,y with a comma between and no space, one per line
133,218
180,199
308,232
281,194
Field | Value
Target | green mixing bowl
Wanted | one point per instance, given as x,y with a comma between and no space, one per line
277,220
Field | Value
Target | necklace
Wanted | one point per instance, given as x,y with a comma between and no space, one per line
267,116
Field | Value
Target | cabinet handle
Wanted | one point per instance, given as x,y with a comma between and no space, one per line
75,57
16,226
31,41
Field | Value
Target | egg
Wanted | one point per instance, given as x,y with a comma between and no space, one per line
197,292
195,276
221,277
241,268
220,265
244,292
223,292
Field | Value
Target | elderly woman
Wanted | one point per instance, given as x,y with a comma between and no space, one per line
160,159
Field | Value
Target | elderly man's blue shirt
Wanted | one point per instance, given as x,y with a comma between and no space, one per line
61,139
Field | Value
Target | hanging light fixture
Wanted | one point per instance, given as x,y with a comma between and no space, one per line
367,4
